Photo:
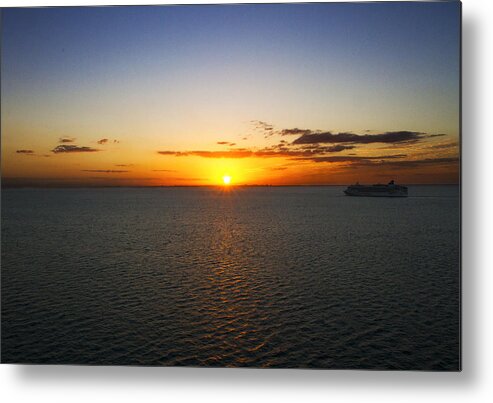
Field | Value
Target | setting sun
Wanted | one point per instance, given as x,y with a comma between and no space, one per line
226,179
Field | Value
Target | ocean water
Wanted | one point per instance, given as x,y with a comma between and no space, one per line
300,277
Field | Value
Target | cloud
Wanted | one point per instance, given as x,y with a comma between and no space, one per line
295,132
444,145
387,137
415,163
73,149
337,148
277,151
164,170
265,128
238,153
25,152
259,124
316,146
102,141
331,149
437,135
391,161
188,179
106,171
351,158
124,165
66,139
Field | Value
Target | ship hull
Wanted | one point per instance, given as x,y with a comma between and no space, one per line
378,190
374,194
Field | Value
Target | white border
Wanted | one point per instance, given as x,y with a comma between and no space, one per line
125,384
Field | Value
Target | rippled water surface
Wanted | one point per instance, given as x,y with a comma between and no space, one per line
267,277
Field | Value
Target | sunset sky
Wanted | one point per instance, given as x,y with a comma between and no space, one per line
266,94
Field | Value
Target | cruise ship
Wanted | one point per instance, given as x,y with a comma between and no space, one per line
378,190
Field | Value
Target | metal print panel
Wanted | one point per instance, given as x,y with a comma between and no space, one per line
263,185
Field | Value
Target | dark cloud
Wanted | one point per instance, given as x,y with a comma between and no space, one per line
25,152
351,158
66,139
106,171
73,149
106,141
331,149
338,148
295,132
388,137
226,143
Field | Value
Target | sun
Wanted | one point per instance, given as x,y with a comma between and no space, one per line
226,180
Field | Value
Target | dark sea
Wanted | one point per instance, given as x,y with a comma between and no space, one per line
299,277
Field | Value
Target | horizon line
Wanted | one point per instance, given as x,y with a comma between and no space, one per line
54,186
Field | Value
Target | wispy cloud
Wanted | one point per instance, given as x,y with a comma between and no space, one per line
242,153
396,161
414,163
106,171
263,127
189,179
25,152
73,149
227,143
102,141
444,145
351,158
